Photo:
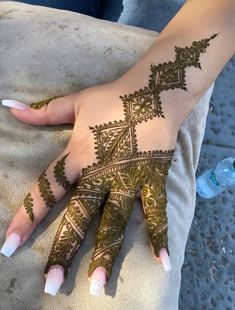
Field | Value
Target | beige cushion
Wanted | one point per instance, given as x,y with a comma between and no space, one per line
46,52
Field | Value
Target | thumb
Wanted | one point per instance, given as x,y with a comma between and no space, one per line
52,111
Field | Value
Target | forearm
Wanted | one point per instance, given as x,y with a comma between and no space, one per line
197,20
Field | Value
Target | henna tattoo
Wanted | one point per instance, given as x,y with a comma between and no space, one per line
154,204
121,169
28,205
117,140
45,190
82,208
38,105
44,187
145,103
60,174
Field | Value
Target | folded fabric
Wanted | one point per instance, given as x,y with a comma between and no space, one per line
44,53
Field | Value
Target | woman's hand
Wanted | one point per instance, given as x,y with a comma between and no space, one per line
118,146
122,143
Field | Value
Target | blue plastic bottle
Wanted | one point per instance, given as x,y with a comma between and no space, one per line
214,181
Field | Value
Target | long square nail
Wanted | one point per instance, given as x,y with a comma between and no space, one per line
14,104
11,244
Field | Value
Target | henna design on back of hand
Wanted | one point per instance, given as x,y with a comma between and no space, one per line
121,169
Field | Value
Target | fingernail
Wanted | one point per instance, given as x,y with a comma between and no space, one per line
165,259
14,104
11,244
98,281
55,277
96,287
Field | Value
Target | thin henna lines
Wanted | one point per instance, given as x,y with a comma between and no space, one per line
45,190
38,105
59,173
28,205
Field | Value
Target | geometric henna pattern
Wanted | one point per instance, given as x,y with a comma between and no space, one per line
115,186
117,140
120,170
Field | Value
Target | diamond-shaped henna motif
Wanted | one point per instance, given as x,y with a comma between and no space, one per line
187,57
172,77
140,106
117,140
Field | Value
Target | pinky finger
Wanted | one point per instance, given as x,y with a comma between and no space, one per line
163,258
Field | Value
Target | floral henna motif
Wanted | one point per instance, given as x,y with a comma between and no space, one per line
120,170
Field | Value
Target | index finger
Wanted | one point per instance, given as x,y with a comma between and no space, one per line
45,192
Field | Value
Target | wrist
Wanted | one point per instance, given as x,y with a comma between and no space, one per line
174,74
176,104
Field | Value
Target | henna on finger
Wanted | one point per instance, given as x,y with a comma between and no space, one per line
123,169
45,187
59,173
82,208
45,190
38,105
154,201
28,205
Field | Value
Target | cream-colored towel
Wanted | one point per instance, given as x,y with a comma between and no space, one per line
46,52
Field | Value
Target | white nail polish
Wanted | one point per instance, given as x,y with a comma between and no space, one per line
55,278
165,259
96,287
11,244
14,104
